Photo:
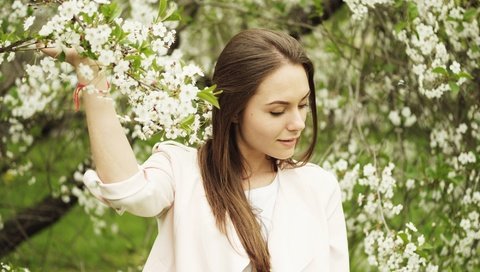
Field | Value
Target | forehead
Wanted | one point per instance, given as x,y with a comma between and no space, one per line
287,83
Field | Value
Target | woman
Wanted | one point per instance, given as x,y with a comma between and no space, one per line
239,202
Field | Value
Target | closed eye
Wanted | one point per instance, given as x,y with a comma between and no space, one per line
303,106
276,113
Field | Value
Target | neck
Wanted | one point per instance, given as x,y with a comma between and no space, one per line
258,173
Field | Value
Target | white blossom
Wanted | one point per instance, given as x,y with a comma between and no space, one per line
28,23
467,157
411,226
455,67
85,71
394,118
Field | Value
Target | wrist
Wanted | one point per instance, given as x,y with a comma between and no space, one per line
99,89
89,73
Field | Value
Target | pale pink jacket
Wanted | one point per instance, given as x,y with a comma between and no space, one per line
308,231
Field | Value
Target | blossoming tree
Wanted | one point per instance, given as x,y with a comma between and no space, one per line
400,123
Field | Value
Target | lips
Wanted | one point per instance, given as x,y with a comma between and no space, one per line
289,142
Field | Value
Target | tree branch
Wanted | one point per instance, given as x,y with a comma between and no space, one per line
32,220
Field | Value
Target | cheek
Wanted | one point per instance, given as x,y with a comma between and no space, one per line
260,125
255,123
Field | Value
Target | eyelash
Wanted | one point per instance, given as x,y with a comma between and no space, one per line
303,106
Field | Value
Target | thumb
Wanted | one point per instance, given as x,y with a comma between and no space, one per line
70,54
53,52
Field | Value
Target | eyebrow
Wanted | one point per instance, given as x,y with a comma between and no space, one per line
286,102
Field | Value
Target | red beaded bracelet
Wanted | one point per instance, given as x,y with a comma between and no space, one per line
76,94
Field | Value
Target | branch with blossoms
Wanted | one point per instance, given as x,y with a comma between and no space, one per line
161,89
419,114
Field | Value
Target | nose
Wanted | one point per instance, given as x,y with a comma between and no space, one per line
296,121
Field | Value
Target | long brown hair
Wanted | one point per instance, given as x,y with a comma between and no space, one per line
246,60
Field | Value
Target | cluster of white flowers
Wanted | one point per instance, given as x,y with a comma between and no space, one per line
161,89
474,116
374,201
39,89
8,267
467,157
17,134
379,199
13,13
463,244
328,103
169,107
451,141
142,11
437,63
93,208
448,139
360,8
20,170
6,56
391,251
405,115
428,51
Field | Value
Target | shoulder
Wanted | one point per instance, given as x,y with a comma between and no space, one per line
311,171
313,177
172,148
174,153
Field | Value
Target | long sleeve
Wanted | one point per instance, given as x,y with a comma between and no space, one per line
147,193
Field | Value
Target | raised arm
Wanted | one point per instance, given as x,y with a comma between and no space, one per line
112,153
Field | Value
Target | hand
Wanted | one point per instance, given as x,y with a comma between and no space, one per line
74,58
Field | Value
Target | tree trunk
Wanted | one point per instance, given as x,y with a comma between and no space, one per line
32,220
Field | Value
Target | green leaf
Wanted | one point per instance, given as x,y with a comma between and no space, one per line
422,253
440,70
118,33
87,19
426,246
136,60
454,86
162,9
187,122
469,14
400,26
209,95
412,11
466,75
404,237
89,54
110,11
174,16
62,56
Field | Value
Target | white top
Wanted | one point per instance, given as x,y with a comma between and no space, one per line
263,203
308,232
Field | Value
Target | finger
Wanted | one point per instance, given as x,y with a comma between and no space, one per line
49,51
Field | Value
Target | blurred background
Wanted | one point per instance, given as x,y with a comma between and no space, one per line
398,91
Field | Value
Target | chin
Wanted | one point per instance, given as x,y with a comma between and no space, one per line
284,156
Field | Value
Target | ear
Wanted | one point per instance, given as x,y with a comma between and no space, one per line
235,119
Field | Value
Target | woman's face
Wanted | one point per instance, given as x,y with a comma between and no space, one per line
275,115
